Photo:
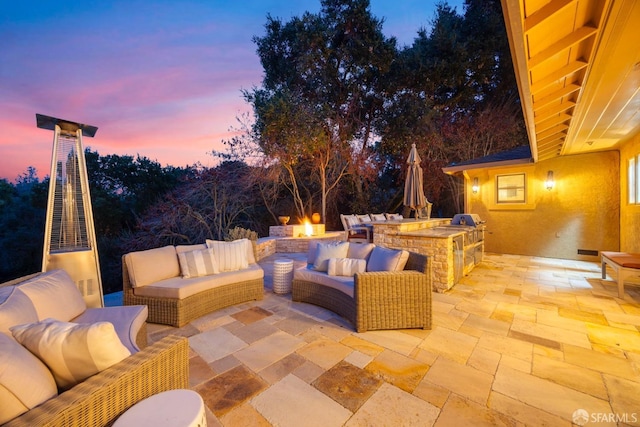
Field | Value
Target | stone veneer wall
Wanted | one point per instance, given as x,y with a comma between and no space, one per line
295,230
397,235
439,249
266,246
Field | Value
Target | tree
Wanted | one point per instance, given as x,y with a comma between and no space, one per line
203,207
453,94
324,74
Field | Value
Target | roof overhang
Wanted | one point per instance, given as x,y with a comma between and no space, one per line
577,65
466,167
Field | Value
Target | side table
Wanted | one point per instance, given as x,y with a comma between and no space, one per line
282,276
173,408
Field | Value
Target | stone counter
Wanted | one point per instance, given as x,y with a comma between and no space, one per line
444,246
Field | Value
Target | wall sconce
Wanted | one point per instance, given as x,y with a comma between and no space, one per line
475,187
549,183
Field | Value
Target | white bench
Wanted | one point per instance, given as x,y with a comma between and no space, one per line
625,265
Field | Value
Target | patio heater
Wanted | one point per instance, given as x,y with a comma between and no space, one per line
69,235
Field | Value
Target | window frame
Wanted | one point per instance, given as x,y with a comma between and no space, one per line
509,186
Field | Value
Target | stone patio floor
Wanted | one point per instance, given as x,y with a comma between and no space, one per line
520,341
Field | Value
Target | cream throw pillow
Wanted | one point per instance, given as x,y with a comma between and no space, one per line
346,266
231,256
198,263
326,251
72,351
25,382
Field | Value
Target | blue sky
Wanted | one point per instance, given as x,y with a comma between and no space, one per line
158,78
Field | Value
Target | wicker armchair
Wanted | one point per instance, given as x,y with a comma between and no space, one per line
382,300
102,398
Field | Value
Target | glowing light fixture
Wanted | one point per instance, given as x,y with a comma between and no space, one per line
475,187
549,183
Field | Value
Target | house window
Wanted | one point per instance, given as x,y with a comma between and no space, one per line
511,188
631,175
633,180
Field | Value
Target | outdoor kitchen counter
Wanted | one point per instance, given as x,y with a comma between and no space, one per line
434,232
434,238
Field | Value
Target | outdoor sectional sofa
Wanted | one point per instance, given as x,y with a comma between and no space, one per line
181,283
43,318
398,298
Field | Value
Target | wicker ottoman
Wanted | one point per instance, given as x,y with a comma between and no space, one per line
282,276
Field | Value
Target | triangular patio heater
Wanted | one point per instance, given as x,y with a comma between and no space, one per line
69,235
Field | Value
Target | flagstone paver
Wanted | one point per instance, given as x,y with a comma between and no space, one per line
292,402
519,341
397,369
545,395
463,412
390,406
463,380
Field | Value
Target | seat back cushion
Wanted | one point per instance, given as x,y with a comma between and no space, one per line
189,248
384,259
360,250
25,382
378,217
312,250
394,217
152,265
15,309
231,256
54,295
326,251
198,263
72,351
364,219
127,321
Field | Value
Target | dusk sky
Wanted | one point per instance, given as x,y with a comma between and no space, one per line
162,79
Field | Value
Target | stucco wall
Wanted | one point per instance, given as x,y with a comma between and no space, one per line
582,211
629,214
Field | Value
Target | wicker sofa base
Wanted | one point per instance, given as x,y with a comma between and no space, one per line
102,398
382,300
179,312
324,296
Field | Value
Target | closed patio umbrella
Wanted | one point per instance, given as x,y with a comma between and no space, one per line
414,197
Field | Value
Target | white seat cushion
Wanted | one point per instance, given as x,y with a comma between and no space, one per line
342,283
182,288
